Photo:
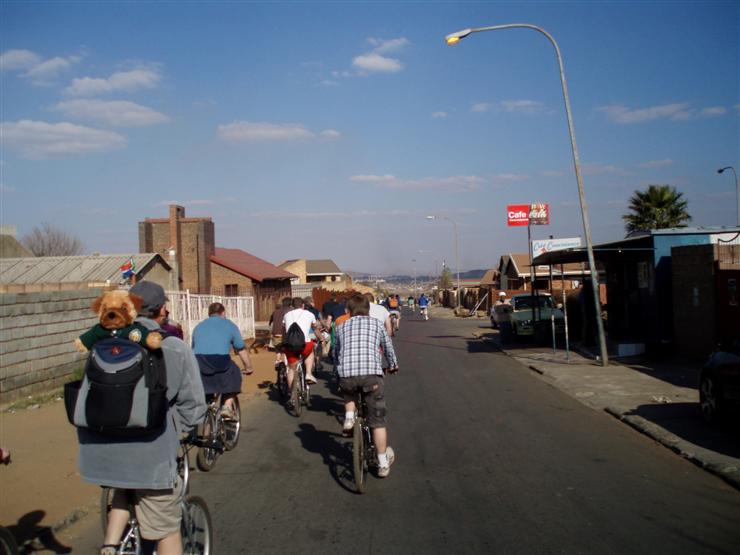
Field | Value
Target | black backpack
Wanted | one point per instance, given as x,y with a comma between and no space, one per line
123,392
294,339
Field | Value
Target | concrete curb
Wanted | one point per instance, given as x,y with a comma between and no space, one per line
730,474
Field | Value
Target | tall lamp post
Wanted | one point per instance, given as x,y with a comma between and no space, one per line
457,257
414,292
454,38
737,190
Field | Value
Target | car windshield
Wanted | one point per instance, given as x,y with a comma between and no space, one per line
523,303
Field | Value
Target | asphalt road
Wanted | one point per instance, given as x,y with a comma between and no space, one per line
489,459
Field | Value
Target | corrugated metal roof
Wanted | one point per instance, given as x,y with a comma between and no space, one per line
93,268
248,265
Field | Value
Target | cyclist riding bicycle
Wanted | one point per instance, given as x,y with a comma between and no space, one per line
147,465
394,308
424,306
358,358
213,339
307,322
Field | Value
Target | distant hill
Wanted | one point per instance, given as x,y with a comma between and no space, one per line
472,274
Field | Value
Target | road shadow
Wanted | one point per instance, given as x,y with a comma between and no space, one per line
331,406
684,420
335,451
32,537
675,372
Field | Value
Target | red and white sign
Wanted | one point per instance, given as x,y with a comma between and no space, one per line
517,214
528,214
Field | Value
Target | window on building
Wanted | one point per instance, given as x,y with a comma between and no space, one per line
231,290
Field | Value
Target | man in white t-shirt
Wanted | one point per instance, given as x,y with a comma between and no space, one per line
308,323
379,312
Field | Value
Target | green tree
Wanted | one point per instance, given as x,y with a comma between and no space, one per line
657,207
445,279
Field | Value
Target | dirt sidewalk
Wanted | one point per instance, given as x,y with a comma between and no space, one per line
41,488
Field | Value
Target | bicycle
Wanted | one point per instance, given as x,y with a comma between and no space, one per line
300,389
219,434
363,448
196,526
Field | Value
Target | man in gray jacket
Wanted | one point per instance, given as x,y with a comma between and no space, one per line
149,465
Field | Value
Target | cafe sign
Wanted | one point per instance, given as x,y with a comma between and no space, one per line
528,214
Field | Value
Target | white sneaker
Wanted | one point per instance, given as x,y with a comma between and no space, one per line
348,426
383,471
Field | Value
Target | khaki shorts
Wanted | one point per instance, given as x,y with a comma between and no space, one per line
374,389
158,510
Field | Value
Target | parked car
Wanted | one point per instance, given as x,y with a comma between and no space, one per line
719,383
521,317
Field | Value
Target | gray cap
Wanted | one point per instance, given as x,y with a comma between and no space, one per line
152,293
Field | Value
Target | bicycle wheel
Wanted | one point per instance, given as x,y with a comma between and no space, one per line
296,392
207,455
282,383
358,456
197,530
232,427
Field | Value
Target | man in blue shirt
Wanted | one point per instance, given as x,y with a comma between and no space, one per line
213,340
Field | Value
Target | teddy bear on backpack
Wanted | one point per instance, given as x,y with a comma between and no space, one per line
116,312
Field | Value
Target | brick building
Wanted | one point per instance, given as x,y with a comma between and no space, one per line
235,272
706,300
187,243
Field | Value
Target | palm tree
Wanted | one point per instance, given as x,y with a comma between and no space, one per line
658,207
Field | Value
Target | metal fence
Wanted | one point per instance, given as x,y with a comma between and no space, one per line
303,289
188,310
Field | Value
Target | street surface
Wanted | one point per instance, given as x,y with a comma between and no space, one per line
489,459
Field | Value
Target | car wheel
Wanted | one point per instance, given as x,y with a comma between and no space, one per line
710,399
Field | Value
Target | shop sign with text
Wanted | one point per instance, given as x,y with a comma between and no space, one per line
528,214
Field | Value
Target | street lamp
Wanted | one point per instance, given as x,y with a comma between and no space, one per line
414,293
454,38
737,190
457,257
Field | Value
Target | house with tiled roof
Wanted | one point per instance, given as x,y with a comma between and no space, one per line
315,271
237,273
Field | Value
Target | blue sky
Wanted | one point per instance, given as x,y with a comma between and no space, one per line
331,129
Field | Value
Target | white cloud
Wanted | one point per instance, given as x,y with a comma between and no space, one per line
128,81
375,63
119,113
439,115
656,163
245,131
480,107
45,72
39,139
713,111
331,134
454,183
386,46
509,178
600,169
680,111
18,59
522,106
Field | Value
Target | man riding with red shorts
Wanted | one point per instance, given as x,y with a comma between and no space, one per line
307,322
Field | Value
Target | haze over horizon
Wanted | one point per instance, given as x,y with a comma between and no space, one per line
329,130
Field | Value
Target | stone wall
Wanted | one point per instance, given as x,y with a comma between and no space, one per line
37,331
